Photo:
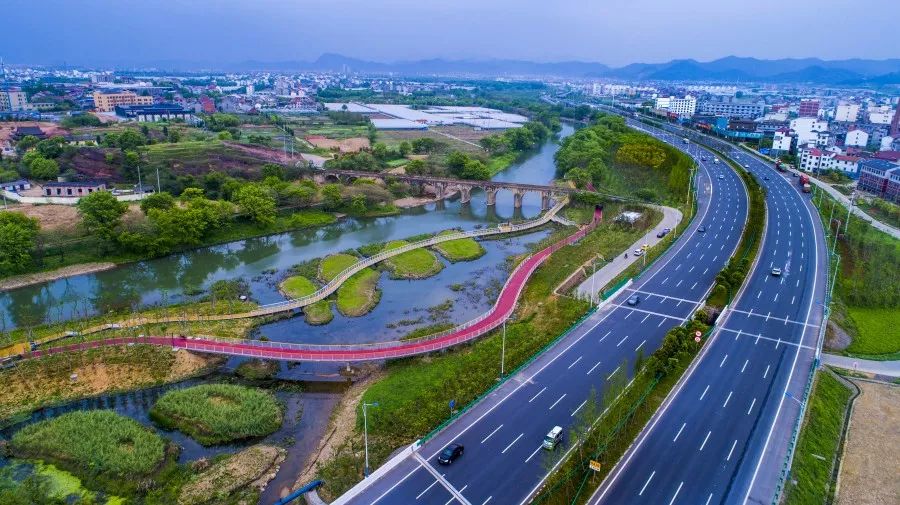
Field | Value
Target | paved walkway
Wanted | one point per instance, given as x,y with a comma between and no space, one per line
842,199
889,368
595,282
500,312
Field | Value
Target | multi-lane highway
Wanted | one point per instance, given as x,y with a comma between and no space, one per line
723,436
503,460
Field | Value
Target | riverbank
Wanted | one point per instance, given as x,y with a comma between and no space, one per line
20,281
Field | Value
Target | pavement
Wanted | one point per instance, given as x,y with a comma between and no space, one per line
845,201
888,368
595,282
723,434
502,434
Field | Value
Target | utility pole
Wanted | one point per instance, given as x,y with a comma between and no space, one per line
503,351
366,433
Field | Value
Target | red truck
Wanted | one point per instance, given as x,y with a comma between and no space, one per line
804,183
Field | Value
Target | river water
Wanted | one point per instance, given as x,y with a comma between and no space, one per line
470,287
167,280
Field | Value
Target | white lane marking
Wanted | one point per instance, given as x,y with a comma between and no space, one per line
557,401
427,489
538,394
533,453
645,318
691,270
593,368
460,491
679,283
513,442
694,286
491,434
708,433
704,392
723,361
606,335
646,483
577,409
574,362
640,345
731,451
766,372
623,339
485,502
676,493
613,372
751,406
745,366
726,399
679,432
709,499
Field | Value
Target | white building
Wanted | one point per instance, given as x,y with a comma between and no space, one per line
684,107
13,100
856,138
846,112
807,129
823,138
782,141
849,165
886,143
811,159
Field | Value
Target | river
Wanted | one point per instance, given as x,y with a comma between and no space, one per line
170,279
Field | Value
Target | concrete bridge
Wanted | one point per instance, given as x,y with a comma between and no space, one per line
444,186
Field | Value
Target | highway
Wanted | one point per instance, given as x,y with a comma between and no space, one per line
723,436
502,434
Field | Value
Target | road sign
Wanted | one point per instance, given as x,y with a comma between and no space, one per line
595,465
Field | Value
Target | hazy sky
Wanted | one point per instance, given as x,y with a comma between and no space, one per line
615,32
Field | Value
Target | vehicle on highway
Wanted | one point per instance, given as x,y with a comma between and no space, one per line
701,229
804,183
776,272
686,141
638,252
634,300
794,174
663,232
766,177
721,176
553,438
715,160
746,165
450,454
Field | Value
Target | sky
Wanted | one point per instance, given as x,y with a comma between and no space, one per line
614,32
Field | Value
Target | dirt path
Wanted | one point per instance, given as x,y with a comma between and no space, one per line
871,457
52,275
341,427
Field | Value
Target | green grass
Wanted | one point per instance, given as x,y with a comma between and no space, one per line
424,331
499,163
397,163
332,265
464,249
339,132
416,264
310,218
98,441
297,286
877,330
318,313
359,294
218,413
819,443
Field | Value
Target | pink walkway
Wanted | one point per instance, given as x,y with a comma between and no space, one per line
499,313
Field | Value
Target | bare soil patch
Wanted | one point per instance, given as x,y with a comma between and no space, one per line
871,457
52,217
60,273
220,480
350,145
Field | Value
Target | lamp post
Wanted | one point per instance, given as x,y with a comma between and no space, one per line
366,433
503,351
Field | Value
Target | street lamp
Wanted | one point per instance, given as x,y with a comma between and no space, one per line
366,433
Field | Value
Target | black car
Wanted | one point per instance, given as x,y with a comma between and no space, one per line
450,453
701,229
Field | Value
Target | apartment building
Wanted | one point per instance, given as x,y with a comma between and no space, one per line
880,177
107,102
809,108
732,109
811,159
683,107
12,100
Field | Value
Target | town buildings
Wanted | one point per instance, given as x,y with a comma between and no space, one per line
880,177
13,100
808,108
107,102
682,107
75,189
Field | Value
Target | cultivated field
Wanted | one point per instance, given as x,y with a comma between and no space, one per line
459,138
872,451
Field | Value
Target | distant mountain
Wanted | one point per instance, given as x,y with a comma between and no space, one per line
728,69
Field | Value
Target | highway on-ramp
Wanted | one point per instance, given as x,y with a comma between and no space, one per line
502,434
723,436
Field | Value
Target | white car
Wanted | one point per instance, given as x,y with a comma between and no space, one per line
638,252
776,272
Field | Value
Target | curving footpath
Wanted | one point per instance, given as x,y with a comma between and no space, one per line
297,303
500,312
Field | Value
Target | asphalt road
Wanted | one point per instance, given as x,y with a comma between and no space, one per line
723,437
503,461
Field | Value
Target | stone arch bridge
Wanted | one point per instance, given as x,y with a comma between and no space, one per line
443,186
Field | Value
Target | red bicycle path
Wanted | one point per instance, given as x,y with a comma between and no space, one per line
500,312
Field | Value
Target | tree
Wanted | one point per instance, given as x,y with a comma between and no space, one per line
17,234
159,201
475,169
358,204
579,176
51,148
258,203
101,214
42,168
131,162
130,140
380,151
456,162
273,170
27,142
415,167
224,135
405,148
190,194
332,196
174,136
